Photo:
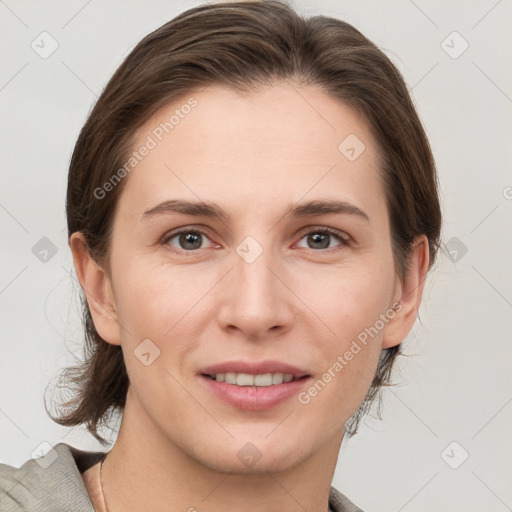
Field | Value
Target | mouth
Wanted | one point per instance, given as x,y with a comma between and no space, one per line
254,386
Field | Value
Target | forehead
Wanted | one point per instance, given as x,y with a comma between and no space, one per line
286,137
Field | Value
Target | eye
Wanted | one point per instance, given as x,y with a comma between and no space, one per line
190,240
187,240
322,239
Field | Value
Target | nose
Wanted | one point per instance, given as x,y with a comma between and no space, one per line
256,302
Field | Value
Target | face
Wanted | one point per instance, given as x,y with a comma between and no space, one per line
285,268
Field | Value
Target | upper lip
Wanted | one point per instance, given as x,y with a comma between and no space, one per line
253,368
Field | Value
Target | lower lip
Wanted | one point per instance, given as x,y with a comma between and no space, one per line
254,398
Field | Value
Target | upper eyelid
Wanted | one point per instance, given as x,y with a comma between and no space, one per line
332,231
178,231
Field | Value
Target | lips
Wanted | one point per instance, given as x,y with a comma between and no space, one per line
253,386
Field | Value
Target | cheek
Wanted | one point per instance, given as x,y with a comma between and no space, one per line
163,305
348,300
152,297
351,305
349,361
153,310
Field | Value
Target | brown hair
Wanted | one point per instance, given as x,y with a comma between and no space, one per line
241,45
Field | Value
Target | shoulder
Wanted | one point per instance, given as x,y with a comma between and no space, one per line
340,503
48,483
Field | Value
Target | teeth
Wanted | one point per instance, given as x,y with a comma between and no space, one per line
246,379
278,378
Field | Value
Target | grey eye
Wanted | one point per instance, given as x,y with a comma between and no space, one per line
187,240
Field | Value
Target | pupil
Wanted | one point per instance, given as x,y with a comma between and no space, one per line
321,239
193,240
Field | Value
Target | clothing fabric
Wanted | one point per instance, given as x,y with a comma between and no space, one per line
54,483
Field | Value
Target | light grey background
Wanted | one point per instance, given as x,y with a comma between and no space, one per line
456,384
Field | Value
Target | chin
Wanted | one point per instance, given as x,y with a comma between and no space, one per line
253,458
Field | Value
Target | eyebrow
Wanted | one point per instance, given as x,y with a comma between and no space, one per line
213,210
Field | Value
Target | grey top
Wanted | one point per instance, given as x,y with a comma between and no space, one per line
53,483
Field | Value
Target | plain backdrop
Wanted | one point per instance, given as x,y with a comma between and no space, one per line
444,442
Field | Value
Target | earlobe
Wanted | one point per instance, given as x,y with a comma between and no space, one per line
97,287
411,291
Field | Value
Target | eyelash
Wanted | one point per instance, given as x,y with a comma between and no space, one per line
345,240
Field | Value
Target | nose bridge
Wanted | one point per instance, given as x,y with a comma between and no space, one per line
256,299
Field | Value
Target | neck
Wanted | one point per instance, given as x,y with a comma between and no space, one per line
146,471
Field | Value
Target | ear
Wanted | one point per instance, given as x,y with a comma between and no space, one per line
408,294
98,290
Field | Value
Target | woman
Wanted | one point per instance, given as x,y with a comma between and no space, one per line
252,211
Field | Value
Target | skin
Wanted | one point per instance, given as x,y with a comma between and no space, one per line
253,155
